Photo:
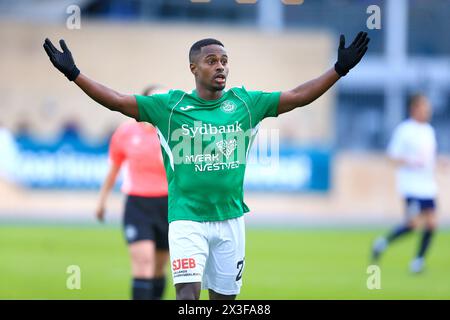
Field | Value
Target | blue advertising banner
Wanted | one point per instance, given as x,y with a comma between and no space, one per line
296,169
65,164
73,164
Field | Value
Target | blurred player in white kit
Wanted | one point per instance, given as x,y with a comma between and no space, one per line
413,150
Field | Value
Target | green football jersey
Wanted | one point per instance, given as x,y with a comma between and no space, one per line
205,144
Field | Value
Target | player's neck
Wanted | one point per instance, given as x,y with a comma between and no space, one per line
419,121
208,94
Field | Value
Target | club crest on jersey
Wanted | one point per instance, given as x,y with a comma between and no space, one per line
228,106
227,147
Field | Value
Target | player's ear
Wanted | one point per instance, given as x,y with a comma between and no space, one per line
193,68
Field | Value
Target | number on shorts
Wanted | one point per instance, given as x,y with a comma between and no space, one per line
240,267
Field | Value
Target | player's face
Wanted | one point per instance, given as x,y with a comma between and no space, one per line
422,110
211,67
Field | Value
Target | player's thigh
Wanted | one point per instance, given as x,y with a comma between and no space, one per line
415,222
161,259
189,250
413,212
430,217
188,291
428,213
142,252
225,265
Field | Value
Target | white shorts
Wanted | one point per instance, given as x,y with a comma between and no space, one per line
208,252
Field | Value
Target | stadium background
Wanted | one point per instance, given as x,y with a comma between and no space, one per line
313,215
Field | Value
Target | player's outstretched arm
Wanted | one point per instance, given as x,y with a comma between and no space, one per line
311,90
64,62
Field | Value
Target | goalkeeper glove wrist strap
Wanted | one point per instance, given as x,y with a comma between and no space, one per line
340,70
73,74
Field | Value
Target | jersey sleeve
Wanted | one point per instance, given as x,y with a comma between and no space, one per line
116,150
434,138
264,104
395,147
153,109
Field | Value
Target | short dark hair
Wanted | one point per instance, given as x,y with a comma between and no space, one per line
413,99
197,47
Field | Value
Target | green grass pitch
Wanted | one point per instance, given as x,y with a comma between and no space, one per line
280,264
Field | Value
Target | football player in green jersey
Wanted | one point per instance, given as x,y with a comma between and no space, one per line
205,136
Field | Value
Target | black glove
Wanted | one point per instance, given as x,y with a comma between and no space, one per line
349,57
62,61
